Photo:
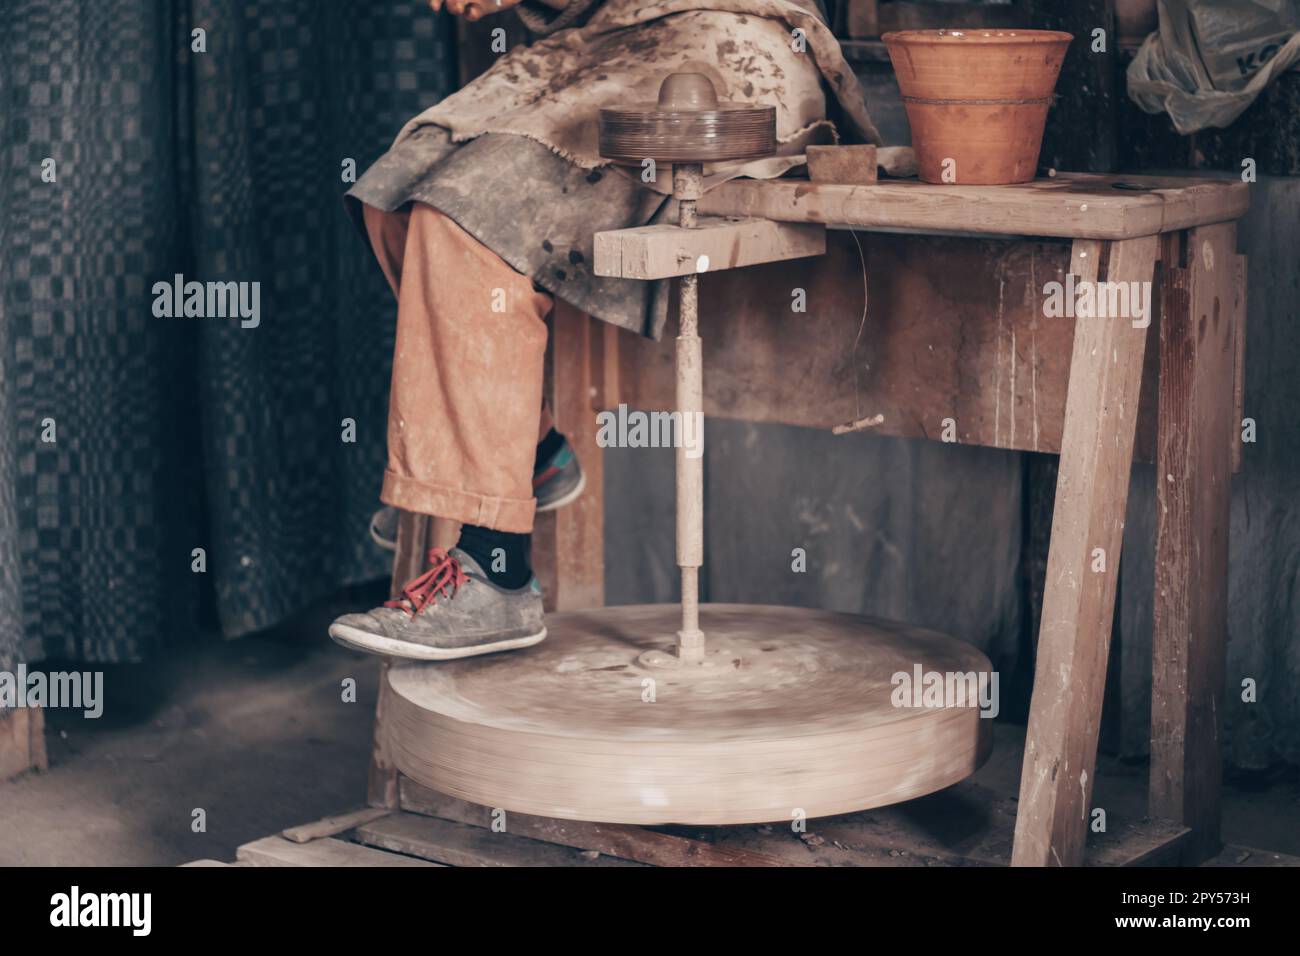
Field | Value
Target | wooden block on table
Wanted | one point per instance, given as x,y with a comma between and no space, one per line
277,851
666,251
842,165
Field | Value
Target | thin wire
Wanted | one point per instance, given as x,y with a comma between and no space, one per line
857,389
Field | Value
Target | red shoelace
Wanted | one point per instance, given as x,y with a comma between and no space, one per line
444,576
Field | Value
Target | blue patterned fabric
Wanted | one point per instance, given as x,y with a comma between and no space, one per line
170,433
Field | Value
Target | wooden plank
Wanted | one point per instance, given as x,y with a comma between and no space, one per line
967,825
22,741
1070,205
15,744
277,851
666,251
607,385
569,543
973,824
842,165
413,541
332,826
956,329
628,842
1232,855
1074,639
1193,494
413,532
458,844
36,739
1239,362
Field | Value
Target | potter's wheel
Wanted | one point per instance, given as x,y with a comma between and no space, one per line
690,713
790,711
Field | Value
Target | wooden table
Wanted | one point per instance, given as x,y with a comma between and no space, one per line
956,346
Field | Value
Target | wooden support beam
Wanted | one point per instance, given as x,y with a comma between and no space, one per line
1148,843
1082,566
1198,354
666,251
457,844
569,544
1239,365
277,851
641,844
333,826
413,540
22,741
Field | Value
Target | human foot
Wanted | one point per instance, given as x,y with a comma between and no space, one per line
450,611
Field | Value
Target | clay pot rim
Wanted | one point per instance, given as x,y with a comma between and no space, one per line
976,37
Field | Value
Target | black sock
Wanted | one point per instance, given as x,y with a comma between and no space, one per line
546,449
503,556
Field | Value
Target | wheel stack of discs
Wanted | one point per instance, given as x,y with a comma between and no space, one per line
687,125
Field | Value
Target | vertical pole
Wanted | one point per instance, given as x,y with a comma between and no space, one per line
1198,319
690,404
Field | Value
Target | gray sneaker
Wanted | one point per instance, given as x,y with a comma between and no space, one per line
556,483
450,611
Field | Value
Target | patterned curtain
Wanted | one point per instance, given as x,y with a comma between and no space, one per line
128,156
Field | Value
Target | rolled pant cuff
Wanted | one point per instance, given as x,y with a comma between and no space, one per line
499,514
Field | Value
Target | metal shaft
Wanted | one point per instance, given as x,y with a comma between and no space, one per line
687,182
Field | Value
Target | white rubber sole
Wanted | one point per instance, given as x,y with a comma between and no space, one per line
568,499
360,640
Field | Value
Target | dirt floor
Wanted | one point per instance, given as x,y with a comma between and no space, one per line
257,735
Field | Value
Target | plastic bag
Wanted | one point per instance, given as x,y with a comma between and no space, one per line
1211,58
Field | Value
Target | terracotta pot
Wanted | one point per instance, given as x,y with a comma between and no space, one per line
977,100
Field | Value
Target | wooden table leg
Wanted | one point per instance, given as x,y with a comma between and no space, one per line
1198,345
1082,565
22,741
569,544
413,540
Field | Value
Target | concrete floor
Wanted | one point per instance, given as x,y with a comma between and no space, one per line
255,733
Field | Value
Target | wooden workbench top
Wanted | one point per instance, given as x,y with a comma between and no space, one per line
1068,205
